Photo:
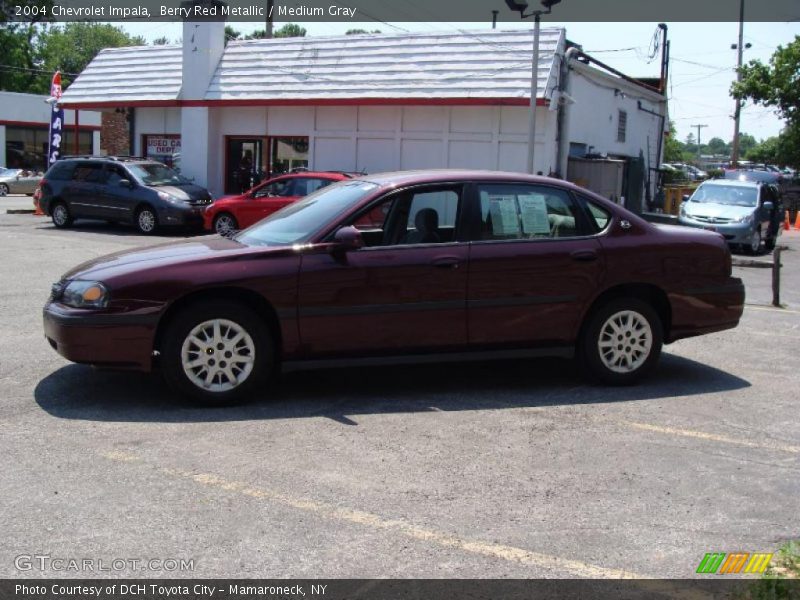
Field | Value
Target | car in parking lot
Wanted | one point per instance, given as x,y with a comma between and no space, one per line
18,181
397,266
744,212
237,212
137,191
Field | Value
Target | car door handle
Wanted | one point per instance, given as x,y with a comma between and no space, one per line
446,262
584,255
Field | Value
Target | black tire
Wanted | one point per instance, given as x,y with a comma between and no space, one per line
60,215
179,330
221,219
597,325
4,189
146,220
752,248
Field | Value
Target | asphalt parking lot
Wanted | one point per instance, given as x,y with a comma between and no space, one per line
502,469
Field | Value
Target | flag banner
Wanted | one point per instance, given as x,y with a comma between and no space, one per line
56,136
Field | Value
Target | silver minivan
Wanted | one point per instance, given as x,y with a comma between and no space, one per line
744,212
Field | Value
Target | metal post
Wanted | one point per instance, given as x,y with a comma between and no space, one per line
270,20
738,111
776,276
75,145
494,18
534,93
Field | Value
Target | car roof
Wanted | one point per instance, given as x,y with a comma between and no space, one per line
402,178
732,182
321,174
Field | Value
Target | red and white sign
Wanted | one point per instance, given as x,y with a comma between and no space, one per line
162,145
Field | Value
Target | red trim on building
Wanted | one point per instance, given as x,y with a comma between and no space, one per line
315,102
47,125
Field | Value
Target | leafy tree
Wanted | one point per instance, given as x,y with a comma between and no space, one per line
716,146
288,30
162,41
777,85
21,56
360,31
673,147
231,34
746,143
766,152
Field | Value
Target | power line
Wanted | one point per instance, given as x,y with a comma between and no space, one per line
30,70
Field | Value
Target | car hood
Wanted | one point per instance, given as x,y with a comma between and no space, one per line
710,209
231,199
187,191
169,254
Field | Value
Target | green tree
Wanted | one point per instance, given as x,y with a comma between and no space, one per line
765,153
746,143
162,41
716,146
22,59
673,147
231,34
71,47
288,30
777,84
360,31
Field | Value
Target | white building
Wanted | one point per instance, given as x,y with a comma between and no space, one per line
25,126
370,103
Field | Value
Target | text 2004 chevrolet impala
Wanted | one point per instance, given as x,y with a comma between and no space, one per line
400,265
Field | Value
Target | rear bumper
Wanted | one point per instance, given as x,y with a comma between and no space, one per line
696,311
111,340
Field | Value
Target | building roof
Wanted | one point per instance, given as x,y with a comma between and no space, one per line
486,66
132,74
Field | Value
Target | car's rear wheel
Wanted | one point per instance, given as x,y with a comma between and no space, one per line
217,353
225,224
61,216
622,341
755,242
146,220
3,189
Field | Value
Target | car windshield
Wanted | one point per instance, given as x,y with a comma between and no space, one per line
732,195
156,174
297,222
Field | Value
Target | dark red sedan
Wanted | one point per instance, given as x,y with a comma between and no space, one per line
399,265
237,212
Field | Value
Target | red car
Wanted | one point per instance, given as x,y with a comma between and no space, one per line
238,212
398,265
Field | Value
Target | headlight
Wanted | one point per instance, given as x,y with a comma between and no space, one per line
85,294
744,219
171,198
682,211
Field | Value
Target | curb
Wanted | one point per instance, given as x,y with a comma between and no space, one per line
20,211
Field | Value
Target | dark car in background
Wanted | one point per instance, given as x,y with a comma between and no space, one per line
395,266
136,191
230,213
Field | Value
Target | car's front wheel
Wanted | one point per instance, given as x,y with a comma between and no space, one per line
217,353
61,216
146,220
225,224
755,243
622,341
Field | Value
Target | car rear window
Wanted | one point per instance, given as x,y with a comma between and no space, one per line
61,171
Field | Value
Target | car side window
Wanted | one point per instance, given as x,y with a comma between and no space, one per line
418,216
282,187
520,211
115,175
89,173
599,217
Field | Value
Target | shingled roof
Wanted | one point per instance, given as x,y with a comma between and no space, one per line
490,65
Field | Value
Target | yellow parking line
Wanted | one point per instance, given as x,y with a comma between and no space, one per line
771,309
366,519
712,437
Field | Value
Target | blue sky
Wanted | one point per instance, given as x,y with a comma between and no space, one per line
701,69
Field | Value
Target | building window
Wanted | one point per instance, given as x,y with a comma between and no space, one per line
163,147
288,153
622,124
26,147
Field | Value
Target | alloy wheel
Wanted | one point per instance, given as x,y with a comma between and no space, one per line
147,221
60,215
625,341
218,355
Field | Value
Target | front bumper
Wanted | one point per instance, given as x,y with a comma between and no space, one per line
734,233
188,216
119,340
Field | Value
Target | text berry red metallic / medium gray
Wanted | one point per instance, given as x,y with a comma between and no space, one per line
394,266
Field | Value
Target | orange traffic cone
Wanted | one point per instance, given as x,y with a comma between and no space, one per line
787,224
797,221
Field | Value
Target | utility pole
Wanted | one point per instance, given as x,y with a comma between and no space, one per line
270,7
699,127
737,113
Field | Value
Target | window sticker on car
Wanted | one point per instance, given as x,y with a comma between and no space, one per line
533,209
503,210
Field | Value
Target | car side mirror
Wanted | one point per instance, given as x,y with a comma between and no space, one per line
348,238
126,183
768,206
685,197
